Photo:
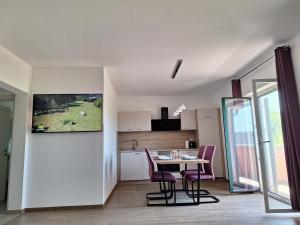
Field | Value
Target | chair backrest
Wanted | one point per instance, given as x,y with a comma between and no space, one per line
201,152
150,163
209,155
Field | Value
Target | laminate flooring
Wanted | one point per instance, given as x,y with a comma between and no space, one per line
127,206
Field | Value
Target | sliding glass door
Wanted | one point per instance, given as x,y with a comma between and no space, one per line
240,145
270,140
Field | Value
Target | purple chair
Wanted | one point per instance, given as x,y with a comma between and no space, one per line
208,173
201,155
162,178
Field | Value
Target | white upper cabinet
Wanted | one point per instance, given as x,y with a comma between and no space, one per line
126,121
208,113
134,121
188,120
142,121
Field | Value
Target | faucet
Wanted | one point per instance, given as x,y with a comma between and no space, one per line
136,144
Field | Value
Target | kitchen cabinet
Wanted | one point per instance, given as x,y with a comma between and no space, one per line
125,121
142,121
188,120
208,113
134,165
209,133
134,121
131,165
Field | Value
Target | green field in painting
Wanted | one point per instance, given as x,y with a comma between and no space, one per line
72,119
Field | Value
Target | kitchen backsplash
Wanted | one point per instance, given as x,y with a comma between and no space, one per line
155,140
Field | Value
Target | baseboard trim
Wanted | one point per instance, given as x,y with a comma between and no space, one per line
69,208
64,208
21,211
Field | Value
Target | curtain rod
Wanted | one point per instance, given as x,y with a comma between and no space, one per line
259,65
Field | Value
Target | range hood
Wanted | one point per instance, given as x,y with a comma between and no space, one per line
165,124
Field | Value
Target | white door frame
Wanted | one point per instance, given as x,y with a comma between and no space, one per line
261,150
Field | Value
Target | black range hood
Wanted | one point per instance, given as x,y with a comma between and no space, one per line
165,124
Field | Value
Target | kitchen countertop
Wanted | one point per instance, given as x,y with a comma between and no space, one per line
159,150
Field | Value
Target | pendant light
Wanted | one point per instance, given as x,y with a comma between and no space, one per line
181,107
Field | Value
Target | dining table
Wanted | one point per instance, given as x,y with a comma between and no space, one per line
199,163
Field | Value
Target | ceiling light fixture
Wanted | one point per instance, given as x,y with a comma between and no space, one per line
174,73
176,68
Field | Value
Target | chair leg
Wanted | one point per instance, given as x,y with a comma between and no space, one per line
193,192
214,199
203,192
173,193
174,190
158,194
166,197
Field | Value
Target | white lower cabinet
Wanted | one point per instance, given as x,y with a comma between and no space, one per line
134,165
131,165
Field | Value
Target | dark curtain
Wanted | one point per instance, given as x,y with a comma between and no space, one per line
290,112
236,88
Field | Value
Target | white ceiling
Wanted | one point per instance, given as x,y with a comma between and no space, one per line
139,41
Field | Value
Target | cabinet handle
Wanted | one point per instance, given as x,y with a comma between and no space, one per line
137,153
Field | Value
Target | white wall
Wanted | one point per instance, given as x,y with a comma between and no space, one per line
154,103
266,71
65,169
15,75
110,122
295,48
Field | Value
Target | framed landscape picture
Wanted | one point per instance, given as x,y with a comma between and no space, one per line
54,113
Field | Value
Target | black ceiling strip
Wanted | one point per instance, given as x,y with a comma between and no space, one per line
177,66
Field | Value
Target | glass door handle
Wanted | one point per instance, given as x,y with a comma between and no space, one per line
264,142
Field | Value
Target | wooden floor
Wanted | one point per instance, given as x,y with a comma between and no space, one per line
127,206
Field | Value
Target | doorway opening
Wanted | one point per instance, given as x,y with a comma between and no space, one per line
6,126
